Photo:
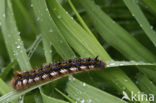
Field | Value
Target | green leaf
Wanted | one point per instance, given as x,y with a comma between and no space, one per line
12,37
46,43
77,37
130,63
118,37
69,99
83,92
50,32
38,97
47,49
4,28
84,44
79,18
141,19
123,83
34,46
115,35
151,4
145,84
25,15
48,99
4,89
4,74
30,51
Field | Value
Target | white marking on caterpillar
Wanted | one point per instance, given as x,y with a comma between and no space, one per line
63,70
53,73
73,68
44,76
83,67
30,80
25,81
91,66
37,78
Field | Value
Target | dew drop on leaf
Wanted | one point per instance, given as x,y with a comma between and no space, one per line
51,30
19,33
72,18
59,17
46,9
151,27
83,84
3,15
82,101
31,5
18,46
38,18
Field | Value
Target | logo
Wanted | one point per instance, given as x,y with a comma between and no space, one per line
139,96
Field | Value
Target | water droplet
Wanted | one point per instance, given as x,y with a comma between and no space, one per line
46,9
132,61
121,64
15,53
38,18
3,15
82,101
71,78
19,33
59,17
18,46
50,43
141,25
77,99
132,14
89,101
151,27
83,84
66,12
125,80
72,18
51,30
112,64
31,5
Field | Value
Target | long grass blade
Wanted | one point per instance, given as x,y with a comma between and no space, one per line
83,92
141,19
11,35
50,31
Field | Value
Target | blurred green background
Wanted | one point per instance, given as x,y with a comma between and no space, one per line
38,32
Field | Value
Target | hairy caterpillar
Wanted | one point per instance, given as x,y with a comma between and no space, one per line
26,79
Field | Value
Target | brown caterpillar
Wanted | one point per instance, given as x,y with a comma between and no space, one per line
26,79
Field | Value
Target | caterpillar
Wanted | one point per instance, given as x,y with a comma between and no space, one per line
23,80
